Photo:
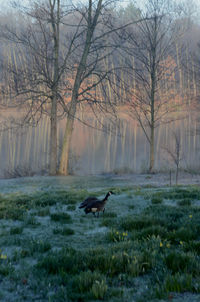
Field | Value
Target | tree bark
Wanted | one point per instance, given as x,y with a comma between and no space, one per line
53,137
177,170
152,143
55,22
64,159
152,100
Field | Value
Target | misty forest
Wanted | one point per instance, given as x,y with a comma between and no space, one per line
89,89
100,151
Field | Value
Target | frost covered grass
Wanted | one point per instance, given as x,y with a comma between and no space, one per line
146,246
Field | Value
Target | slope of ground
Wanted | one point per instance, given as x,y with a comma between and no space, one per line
146,246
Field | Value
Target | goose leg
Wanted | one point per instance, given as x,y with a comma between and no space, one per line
94,214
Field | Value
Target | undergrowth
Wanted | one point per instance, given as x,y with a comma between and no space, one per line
160,246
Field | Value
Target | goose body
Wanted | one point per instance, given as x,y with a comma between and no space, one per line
95,205
87,201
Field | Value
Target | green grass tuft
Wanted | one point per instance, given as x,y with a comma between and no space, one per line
156,200
63,231
184,202
61,217
16,230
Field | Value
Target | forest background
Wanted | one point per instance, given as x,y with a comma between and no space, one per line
97,87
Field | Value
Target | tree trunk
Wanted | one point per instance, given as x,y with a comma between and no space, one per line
151,160
53,137
152,125
55,23
177,170
152,100
64,159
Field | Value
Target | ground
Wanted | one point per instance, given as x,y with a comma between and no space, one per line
146,246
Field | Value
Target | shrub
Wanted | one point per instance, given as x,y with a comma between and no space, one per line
19,171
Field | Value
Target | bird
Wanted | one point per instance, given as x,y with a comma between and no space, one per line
87,201
93,204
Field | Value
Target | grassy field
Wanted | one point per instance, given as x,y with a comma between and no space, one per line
146,246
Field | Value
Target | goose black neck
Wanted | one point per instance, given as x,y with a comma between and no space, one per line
106,197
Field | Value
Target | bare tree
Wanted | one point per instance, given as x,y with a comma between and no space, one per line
91,16
45,57
98,45
34,75
61,57
152,68
175,153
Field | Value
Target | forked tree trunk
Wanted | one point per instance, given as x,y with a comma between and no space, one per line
91,25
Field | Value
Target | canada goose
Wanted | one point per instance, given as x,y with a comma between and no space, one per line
96,205
87,201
